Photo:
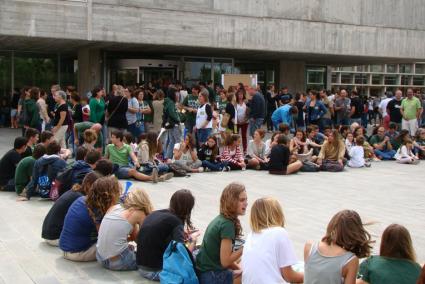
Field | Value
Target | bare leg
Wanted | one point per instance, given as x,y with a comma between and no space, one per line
294,167
139,176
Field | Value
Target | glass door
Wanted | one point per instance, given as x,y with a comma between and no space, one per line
157,75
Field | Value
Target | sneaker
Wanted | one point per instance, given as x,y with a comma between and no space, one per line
207,170
367,164
244,168
165,177
154,175
200,169
226,169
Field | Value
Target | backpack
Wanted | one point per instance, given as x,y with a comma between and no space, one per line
44,185
177,170
178,265
63,182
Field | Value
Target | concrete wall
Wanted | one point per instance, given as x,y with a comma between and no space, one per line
375,28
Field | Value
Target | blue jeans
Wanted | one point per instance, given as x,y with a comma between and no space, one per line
214,166
342,121
255,124
148,274
214,277
125,261
385,155
203,134
135,129
172,136
162,168
323,122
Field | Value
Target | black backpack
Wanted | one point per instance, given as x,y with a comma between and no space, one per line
177,170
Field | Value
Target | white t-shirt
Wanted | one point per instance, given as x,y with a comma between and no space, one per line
383,106
264,254
185,156
356,157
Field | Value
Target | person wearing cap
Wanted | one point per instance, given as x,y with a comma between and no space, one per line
283,114
60,120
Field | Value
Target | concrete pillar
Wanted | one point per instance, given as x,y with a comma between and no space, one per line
89,69
328,77
292,74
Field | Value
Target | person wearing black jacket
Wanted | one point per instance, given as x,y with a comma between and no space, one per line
117,109
257,110
271,105
162,226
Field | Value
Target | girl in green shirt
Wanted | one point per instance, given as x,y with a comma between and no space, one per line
396,263
218,255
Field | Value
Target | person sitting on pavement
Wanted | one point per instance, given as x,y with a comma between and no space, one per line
32,136
186,157
232,154
209,155
280,162
405,154
382,145
25,167
119,153
147,152
331,156
256,156
9,162
53,222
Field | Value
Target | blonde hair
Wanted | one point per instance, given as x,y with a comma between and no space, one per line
139,199
265,213
89,136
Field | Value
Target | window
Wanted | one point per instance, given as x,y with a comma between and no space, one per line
390,80
5,74
405,68
391,68
221,66
125,77
362,68
335,78
376,68
377,79
197,69
346,78
360,79
420,69
418,80
347,68
405,80
35,70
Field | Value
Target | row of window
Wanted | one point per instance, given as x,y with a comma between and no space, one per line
417,68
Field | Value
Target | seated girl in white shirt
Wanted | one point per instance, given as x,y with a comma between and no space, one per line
268,253
405,155
356,153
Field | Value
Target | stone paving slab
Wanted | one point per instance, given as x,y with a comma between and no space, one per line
386,193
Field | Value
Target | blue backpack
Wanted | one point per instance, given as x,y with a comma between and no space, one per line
178,265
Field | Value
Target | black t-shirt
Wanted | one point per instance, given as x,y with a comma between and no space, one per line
300,115
77,113
357,103
120,105
27,153
8,166
53,223
61,108
156,232
15,100
206,153
230,109
394,107
279,158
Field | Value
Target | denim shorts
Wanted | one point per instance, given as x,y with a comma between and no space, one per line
149,274
213,277
125,261
122,172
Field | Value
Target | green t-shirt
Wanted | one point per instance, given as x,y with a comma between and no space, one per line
191,101
23,173
145,105
97,110
83,126
375,139
118,156
208,258
384,270
410,107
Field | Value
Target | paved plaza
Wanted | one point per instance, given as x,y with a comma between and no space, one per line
384,194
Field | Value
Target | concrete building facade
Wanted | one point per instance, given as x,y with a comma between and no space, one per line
106,41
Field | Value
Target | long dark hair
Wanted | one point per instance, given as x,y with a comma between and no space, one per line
397,243
181,205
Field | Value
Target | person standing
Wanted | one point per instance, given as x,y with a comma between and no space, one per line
394,109
116,112
97,106
32,111
203,119
158,109
133,109
342,108
171,123
190,105
257,110
411,109
43,111
271,105
356,108
60,120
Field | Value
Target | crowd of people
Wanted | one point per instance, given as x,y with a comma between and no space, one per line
74,148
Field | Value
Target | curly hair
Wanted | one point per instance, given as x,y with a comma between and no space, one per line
347,231
104,193
229,204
